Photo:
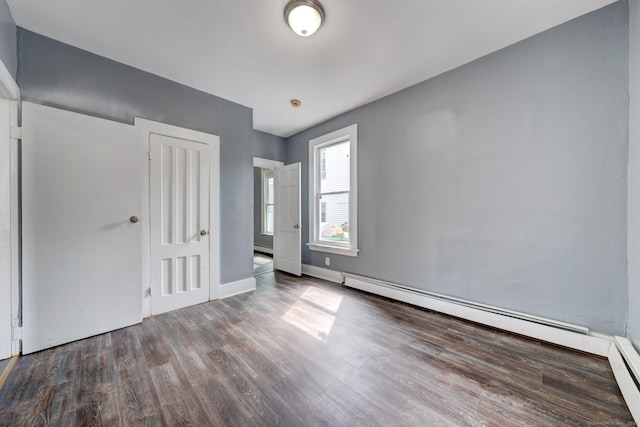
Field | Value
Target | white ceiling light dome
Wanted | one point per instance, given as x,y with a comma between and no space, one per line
304,16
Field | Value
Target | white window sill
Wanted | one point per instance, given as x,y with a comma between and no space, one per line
266,234
333,249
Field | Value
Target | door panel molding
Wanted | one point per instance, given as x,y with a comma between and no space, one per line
179,223
146,128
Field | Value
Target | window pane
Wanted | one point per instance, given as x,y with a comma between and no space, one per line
336,168
335,213
270,190
269,223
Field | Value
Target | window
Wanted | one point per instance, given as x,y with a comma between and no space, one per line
267,201
333,192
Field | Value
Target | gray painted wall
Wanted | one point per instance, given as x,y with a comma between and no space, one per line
8,45
59,75
634,173
270,147
502,181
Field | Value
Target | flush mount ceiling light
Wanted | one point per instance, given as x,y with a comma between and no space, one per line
304,16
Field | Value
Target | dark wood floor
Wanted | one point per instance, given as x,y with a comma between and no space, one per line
300,351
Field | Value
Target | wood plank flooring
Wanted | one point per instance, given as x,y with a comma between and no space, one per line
301,351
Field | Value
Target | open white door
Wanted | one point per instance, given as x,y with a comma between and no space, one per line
288,228
180,230
81,246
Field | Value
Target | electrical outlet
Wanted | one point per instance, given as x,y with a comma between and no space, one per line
327,261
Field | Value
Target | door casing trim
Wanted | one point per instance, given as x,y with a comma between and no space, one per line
10,291
146,128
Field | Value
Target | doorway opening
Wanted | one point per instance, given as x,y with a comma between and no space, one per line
263,214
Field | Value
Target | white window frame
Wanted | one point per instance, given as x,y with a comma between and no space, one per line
265,174
349,133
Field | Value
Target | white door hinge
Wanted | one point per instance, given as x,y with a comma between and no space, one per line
16,132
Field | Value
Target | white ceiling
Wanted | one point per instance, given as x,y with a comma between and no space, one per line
242,50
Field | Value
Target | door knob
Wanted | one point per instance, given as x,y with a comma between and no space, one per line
296,226
134,219
203,232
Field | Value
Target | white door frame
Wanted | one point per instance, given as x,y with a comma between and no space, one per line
146,128
10,291
259,162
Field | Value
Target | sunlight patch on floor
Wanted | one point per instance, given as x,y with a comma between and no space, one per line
323,298
260,261
313,313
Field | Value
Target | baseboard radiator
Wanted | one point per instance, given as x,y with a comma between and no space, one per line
630,356
356,281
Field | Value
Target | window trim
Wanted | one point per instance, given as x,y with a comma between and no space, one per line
349,133
264,175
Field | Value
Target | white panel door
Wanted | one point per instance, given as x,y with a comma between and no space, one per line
287,252
81,253
180,240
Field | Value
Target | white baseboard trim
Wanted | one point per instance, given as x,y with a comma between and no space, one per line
263,249
322,273
550,334
239,287
609,338
625,382
630,355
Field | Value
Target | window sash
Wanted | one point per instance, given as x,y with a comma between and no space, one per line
268,211
327,225
321,174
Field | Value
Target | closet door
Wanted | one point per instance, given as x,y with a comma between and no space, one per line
81,194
